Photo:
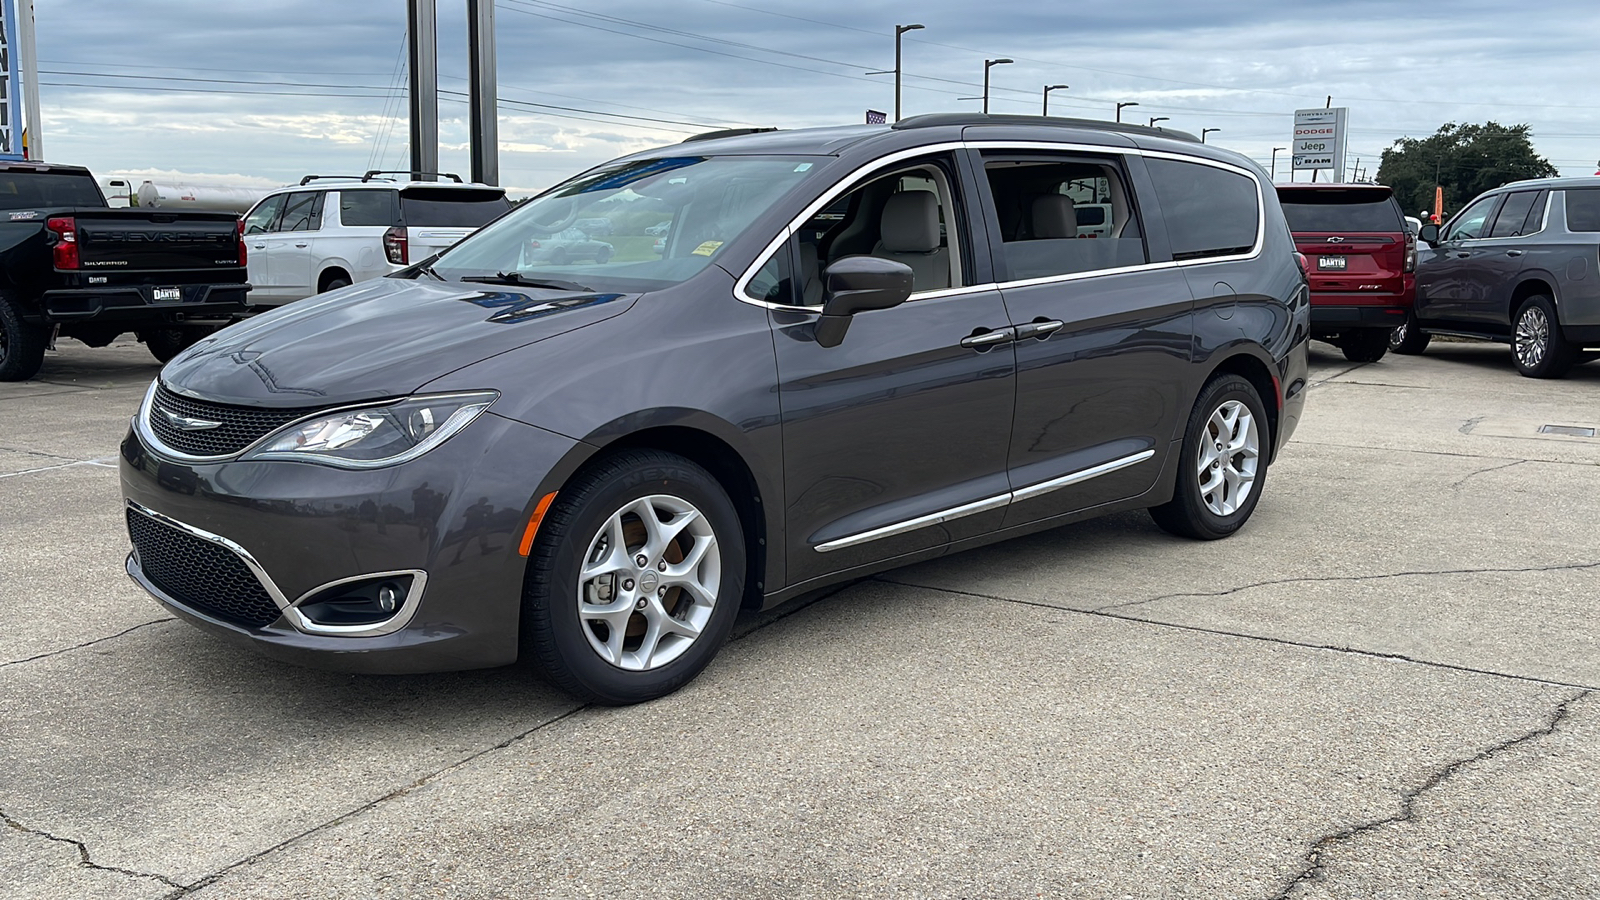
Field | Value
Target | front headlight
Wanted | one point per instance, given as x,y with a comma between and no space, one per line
377,435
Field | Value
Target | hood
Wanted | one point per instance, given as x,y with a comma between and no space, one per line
384,338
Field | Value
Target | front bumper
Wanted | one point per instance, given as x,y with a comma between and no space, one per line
449,521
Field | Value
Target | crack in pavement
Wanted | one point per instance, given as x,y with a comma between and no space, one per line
1463,479
1529,459
1332,578
1338,374
1314,858
40,453
103,462
84,860
1220,632
109,637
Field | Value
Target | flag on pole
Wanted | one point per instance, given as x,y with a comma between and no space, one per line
875,117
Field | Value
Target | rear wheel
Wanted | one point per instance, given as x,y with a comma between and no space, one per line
166,341
604,256
1365,344
558,257
22,344
635,580
335,283
1223,463
1537,345
1408,338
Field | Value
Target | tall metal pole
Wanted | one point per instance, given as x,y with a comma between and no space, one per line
1275,162
422,30
1047,89
483,93
30,80
987,65
1121,105
899,30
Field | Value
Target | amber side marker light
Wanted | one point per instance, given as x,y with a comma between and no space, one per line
532,531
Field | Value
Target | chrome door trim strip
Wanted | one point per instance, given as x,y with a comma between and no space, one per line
978,506
1055,484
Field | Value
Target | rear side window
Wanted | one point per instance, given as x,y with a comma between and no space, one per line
31,190
368,208
1513,213
1360,211
1053,217
1208,211
303,212
1583,209
435,208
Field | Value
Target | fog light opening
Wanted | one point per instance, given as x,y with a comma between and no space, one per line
364,602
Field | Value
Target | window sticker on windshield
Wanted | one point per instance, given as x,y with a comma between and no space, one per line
708,248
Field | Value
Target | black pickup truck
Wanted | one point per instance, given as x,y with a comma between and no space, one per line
69,265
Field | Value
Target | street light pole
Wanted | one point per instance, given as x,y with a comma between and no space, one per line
899,30
987,65
1121,105
1047,89
1275,161
1155,119
1206,131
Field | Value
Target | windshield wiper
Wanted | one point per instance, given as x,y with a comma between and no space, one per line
520,280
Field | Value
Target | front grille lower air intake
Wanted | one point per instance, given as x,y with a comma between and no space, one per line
198,573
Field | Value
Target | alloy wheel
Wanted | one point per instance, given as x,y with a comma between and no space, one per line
1532,338
1229,456
649,582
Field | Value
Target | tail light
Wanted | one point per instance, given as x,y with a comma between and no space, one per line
1304,264
394,246
1411,253
534,245
65,230
244,257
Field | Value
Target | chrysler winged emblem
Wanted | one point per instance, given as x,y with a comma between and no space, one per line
184,423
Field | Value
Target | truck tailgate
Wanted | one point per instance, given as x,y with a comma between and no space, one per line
124,240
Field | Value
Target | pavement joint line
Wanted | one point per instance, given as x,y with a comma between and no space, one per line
1355,651
40,453
1553,462
1307,579
109,637
1338,374
103,462
214,877
1315,856
1409,387
84,860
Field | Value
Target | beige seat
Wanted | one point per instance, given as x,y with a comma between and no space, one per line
1054,216
908,233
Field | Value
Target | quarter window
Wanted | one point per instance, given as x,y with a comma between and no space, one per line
1059,217
1583,209
359,208
1508,223
1208,211
1472,223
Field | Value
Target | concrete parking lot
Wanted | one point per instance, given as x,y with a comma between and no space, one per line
1387,686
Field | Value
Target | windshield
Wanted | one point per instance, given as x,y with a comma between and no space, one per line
34,190
1341,210
640,226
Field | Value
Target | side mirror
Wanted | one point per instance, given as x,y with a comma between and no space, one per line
859,284
1429,234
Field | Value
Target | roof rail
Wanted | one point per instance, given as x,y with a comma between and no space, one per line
933,120
415,176
726,132
310,178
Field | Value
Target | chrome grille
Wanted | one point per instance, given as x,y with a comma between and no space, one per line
199,573
237,426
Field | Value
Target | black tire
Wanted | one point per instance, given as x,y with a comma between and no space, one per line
1365,345
1538,347
558,256
604,256
557,639
334,284
22,344
1188,513
166,341
1408,338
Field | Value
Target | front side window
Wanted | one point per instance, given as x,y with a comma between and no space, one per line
1059,217
604,229
264,217
1513,213
1583,209
1472,222
1208,211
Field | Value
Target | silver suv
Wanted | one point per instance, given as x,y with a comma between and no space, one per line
1516,266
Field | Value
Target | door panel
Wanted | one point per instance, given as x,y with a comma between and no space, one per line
1449,276
896,423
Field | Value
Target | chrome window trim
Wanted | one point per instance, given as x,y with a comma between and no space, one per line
986,504
288,609
863,171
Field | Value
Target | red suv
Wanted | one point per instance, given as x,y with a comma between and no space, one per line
1362,261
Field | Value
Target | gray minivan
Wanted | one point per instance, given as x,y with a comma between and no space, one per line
1516,266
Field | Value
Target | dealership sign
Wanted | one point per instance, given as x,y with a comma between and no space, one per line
1319,139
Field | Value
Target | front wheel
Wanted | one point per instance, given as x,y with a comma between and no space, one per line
22,344
635,580
1408,338
1223,463
1537,344
1365,344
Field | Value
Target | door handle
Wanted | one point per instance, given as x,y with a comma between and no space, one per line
983,339
1513,252
302,245
1463,255
259,246
1039,328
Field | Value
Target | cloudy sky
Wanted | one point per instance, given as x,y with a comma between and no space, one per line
263,92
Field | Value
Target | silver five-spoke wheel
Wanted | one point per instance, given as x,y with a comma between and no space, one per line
1229,454
649,581
1533,337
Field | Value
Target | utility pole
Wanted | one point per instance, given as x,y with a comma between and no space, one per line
899,30
30,81
1047,89
422,34
483,93
1121,105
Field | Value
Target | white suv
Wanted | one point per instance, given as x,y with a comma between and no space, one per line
315,237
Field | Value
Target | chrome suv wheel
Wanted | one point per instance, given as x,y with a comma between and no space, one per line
1537,344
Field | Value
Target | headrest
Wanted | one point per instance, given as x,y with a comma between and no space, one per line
1054,216
910,223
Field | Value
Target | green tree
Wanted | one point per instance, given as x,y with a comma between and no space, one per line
1466,159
